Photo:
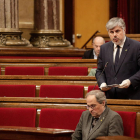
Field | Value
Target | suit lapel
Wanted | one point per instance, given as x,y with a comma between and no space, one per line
123,53
100,121
110,54
88,125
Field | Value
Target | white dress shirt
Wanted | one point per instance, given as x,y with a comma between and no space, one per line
115,49
95,56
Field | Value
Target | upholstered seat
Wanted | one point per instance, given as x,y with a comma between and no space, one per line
73,71
24,70
17,90
61,91
24,117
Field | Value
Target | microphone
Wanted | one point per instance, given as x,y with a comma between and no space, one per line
101,74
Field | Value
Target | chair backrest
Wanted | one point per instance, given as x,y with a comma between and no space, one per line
59,118
24,117
79,71
91,88
17,90
129,122
61,91
24,70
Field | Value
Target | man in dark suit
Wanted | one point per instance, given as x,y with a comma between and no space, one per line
122,55
98,120
93,53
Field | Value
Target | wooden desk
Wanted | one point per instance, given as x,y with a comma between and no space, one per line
33,133
46,80
116,138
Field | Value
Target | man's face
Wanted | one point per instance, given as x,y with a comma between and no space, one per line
95,108
96,45
117,35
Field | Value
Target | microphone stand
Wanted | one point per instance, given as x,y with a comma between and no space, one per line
101,74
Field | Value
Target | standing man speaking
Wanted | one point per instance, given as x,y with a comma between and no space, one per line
122,56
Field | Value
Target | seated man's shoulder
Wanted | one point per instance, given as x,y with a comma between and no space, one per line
89,51
86,112
114,113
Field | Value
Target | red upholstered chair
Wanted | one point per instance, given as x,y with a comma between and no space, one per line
129,119
17,90
61,91
59,118
24,117
81,71
24,70
91,88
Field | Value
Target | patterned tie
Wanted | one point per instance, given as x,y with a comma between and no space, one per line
117,57
94,122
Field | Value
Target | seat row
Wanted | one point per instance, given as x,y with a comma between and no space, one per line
56,118
73,71
50,91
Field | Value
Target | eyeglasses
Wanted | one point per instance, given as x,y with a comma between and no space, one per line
91,106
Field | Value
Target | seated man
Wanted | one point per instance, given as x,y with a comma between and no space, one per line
93,53
92,72
98,120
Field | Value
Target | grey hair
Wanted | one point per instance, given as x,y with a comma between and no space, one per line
98,37
115,21
100,96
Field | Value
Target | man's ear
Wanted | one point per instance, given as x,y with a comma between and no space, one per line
103,103
125,31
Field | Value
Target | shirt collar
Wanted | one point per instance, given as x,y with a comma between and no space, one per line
95,56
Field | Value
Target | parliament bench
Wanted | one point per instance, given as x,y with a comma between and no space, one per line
67,103
48,80
60,118
46,63
46,91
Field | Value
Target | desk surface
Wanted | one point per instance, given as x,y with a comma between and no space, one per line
116,138
33,133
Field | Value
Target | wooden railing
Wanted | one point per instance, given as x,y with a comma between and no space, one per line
91,38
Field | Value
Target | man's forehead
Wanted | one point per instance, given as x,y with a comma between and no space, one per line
91,98
115,28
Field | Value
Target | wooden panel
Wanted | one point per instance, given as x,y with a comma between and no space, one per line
33,51
73,103
43,105
49,62
110,102
137,134
47,80
115,138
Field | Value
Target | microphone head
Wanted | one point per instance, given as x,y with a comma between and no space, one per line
106,64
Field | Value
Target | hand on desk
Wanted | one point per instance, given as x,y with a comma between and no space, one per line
125,84
104,87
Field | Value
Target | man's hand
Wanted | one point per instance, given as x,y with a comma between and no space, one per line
104,87
125,84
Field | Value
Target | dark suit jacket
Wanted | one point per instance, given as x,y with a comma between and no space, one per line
88,55
109,124
128,68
